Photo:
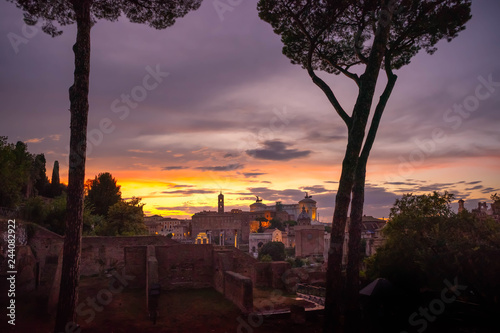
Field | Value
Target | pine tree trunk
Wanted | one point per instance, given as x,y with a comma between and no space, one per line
353,315
78,94
337,295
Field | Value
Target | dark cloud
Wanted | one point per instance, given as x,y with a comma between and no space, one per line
188,209
490,190
417,186
478,187
176,167
317,136
400,183
181,186
230,167
253,174
276,150
275,195
316,189
474,182
189,192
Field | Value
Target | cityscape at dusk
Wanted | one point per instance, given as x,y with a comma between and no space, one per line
267,166
227,112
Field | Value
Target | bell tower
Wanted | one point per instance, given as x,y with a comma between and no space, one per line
221,203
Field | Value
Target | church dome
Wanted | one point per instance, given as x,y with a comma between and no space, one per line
304,218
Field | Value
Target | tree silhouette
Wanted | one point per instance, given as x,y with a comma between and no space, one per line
41,182
426,242
103,193
276,250
357,39
55,183
16,165
125,218
159,14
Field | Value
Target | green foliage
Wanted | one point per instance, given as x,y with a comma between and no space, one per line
56,215
157,14
125,218
49,213
362,247
16,165
426,243
39,175
35,210
103,193
290,251
421,206
496,203
306,261
276,250
170,235
298,262
266,258
335,35
290,223
277,224
22,175
55,183
91,222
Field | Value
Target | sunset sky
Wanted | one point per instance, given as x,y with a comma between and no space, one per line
226,111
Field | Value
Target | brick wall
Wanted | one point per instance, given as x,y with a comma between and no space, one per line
239,290
185,266
269,274
101,253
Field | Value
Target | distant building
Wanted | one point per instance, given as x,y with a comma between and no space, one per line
163,226
309,240
304,218
293,210
235,227
257,240
223,228
482,211
371,235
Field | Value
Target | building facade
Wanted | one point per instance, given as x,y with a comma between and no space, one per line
163,226
293,210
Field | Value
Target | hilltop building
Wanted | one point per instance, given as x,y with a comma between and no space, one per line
482,210
235,227
293,210
163,226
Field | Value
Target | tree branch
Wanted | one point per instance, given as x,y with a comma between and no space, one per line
344,71
358,48
379,110
326,89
